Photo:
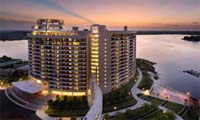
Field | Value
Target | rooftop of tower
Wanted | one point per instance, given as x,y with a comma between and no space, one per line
51,27
56,28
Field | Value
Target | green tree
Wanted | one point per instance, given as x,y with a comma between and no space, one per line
57,97
65,99
50,103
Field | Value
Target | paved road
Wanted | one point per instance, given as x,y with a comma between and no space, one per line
11,111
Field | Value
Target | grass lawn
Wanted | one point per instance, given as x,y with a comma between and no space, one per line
120,98
146,66
146,82
160,115
169,105
174,107
124,104
151,99
153,116
134,114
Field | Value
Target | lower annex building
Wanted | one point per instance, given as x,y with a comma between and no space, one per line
64,60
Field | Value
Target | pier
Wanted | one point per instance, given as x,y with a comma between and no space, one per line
192,72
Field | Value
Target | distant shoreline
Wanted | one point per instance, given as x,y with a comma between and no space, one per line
22,35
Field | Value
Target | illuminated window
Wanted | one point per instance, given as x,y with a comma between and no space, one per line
94,52
75,52
76,43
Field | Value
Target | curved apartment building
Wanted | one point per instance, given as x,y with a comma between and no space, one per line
65,60
58,58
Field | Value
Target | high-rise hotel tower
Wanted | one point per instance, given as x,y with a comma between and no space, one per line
64,60
112,56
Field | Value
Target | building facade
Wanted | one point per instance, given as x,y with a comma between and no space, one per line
58,57
64,60
112,57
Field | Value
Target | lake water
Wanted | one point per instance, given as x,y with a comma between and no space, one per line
14,49
171,54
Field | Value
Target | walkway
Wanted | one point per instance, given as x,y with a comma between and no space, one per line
134,92
28,101
161,91
140,101
93,114
96,109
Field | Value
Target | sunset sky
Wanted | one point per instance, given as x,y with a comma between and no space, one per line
137,14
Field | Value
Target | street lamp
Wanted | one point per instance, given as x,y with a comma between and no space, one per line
165,91
164,111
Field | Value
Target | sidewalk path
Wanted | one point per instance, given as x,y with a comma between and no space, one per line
140,102
158,90
96,109
134,92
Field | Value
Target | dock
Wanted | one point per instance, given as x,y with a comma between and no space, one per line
192,72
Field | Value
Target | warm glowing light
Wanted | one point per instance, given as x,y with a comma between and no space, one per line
96,64
165,91
34,33
68,93
36,27
76,43
146,92
94,52
44,92
94,56
164,111
89,92
38,81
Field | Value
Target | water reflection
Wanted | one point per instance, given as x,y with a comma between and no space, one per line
15,49
171,54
